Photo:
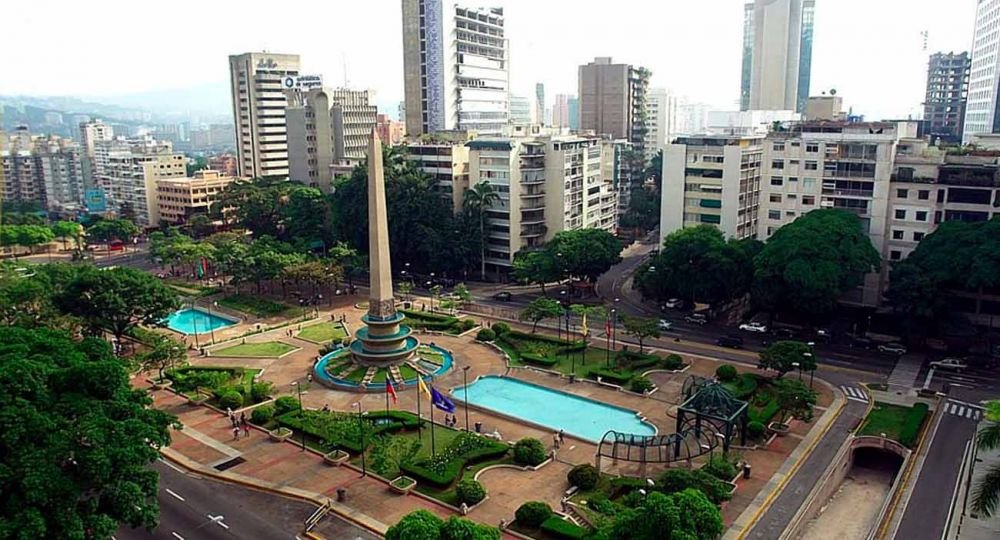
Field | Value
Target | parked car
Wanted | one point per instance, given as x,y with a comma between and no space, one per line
892,348
665,324
696,318
733,342
862,343
502,296
674,303
754,327
953,364
784,333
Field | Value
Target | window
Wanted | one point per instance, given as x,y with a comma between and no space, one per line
923,195
895,255
790,214
775,197
918,236
900,214
774,214
793,178
808,200
777,164
812,147
921,215
793,162
811,166
901,193
777,181
778,147
808,183
897,235
795,144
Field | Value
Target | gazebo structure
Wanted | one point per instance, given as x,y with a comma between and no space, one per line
714,410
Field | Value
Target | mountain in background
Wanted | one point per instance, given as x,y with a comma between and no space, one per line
210,101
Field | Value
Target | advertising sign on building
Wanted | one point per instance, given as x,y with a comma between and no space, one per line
434,64
95,201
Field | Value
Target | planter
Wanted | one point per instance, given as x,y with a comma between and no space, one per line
198,399
336,458
778,428
279,435
161,384
402,485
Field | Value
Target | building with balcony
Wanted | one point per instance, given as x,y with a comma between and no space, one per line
180,198
615,168
947,92
257,82
129,173
613,100
445,157
48,171
661,120
456,68
712,180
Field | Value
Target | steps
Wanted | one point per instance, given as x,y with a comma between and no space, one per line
369,375
396,376
419,369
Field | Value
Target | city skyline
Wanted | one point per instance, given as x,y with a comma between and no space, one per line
371,55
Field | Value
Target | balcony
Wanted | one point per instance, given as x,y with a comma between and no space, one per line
848,192
533,194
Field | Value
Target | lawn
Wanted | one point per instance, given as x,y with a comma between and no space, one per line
898,423
260,307
323,332
267,349
407,372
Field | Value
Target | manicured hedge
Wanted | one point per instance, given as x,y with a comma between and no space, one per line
560,528
614,377
538,359
398,420
533,513
634,360
428,320
425,470
766,413
911,425
673,362
743,386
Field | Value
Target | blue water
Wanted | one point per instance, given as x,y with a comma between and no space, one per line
195,321
582,417
320,369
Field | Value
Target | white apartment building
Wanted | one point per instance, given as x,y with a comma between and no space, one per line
712,180
257,82
326,126
456,68
615,168
520,110
131,172
777,54
661,120
445,157
60,163
546,184
984,75
92,132
746,122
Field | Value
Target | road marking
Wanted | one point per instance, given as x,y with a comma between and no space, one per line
967,404
175,495
218,520
177,536
855,394
172,466
963,410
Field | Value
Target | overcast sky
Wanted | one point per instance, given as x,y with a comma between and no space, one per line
871,51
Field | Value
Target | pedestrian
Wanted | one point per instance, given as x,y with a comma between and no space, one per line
326,407
229,412
246,429
555,440
236,431
243,418
562,437
309,378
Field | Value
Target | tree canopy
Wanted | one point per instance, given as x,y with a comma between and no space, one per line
685,515
540,309
584,253
641,328
78,439
423,525
781,356
107,230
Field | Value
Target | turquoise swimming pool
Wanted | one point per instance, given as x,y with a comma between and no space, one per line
195,321
579,416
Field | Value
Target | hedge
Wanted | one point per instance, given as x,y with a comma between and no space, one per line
429,321
560,528
538,359
513,337
470,492
766,413
533,513
912,423
455,466
399,420
614,377
743,386
634,360
673,362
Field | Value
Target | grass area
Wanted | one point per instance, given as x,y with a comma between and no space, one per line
443,436
267,349
260,307
431,355
407,372
191,289
323,332
901,424
357,375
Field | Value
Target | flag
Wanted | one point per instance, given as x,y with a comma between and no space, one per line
583,326
202,268
441,401
389,389
421,387
607,327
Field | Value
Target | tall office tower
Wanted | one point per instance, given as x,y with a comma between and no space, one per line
573,106
257,81
777,54
661,120
984,76
947,91
456,69
59,163
560,111
540,103
326,126
520,110
613,100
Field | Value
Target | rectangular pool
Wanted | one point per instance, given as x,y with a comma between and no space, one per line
579,416
195,321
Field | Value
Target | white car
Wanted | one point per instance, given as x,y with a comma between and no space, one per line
755,327
673,303
665,324
892,348
954,364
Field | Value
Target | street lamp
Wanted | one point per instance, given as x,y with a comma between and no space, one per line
210,326
361,427
465,383
298,389
798,366
614,327
812,372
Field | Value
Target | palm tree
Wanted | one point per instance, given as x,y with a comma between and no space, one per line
986,497
478,199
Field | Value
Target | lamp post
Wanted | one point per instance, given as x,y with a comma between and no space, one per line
210,326
298,389
798,366
614,327
361,429
194,323
812,372
465,386
607,341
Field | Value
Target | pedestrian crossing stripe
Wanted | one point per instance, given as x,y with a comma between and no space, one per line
854,393
964,411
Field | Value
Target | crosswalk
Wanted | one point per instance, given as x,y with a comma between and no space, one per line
854,393
964,410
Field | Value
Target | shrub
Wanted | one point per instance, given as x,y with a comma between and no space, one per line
673,362
584,476
641,385
560,528
231,400
614,377
501,328
262,415
533,513
634,360
538,359
755,430
675,480
486,335
468,324
444,467
260,390
726,373
470,492
744,386
911,424
285,404
529,451
721,468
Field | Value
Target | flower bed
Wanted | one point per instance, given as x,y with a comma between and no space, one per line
344,430
558,527
443,468
279,435
221,383
402,484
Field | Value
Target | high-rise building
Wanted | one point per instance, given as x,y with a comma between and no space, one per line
445,157
21,181
573,106
180,198
456,68
560,111
129,172
661,120
326,126
257,81
947,91
92,132
540,103
520,110
613,100
984,73
777,54
47,171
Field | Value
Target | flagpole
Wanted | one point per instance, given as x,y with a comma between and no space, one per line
433,449
387,383
419,420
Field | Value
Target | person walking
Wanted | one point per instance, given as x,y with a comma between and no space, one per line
555,440
236,431
562,436
246,427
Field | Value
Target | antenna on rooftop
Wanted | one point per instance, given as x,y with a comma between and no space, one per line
343,59
924,35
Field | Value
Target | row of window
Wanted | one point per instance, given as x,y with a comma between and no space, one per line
899,235
780,164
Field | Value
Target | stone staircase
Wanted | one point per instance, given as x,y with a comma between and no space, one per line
369,375
418,368
396,376
346,370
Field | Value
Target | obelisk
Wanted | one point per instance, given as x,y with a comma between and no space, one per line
381,302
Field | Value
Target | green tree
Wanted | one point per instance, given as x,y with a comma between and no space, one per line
162,352
117,299
463,294
641,328
810,263
27,236
585,253
78,439
535,266
198,163
478,199
423,525
67,229
538,310
685,515
107,230
253,204
781,356
794,398
200,225
986,496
